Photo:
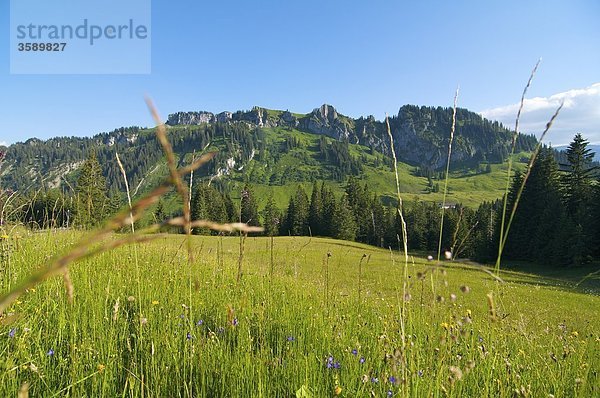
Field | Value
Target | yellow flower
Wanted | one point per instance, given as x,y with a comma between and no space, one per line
445,325
3,237
155,302
101,368
338,390
574,333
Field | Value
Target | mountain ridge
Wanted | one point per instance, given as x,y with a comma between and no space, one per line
274,146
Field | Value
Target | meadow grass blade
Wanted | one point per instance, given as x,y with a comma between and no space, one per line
536,151
445,193
509,168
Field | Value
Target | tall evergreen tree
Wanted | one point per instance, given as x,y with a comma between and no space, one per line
91,193
344,226
577,186
249,207
315,212
271,217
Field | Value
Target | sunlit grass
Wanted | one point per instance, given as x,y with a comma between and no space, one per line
271,338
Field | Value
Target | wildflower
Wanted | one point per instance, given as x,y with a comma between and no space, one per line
12,332
430,258
182,316
291,338
374,380
574,333
337,365
50,352
362,360
448,255
234,322
143,321
390,393
355,352
338,390
188,336
100,368
199,323
420,373
456,373
445,325
155,302
392,380
452,297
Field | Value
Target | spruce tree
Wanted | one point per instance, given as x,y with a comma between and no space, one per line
271,217
315,212
344,226
91,193
249,207
577,188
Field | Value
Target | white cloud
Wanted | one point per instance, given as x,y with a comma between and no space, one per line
3,143
580,114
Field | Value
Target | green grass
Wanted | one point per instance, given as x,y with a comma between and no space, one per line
545,340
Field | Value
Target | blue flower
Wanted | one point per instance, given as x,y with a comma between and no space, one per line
390,393
374,380
337,365
199,323
234,322
50,352
12,332
355,352
392,380
291,338
189,336
362,360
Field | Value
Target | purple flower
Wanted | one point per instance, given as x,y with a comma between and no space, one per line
189,336
392,380
355,352
291,338
374,380
362,360
234,322
420,373
50,352
390,393
199,323
337,365
12,333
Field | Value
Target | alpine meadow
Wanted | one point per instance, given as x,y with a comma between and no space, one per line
437,251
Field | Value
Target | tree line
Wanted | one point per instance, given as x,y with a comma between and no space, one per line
557,220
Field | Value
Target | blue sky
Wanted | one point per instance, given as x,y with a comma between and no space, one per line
362,57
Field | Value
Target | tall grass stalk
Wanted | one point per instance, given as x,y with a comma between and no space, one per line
445,194
399,197
532,159
509,168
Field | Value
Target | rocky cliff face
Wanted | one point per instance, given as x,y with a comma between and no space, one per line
420,133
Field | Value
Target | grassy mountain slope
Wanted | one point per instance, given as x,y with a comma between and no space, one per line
277,150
